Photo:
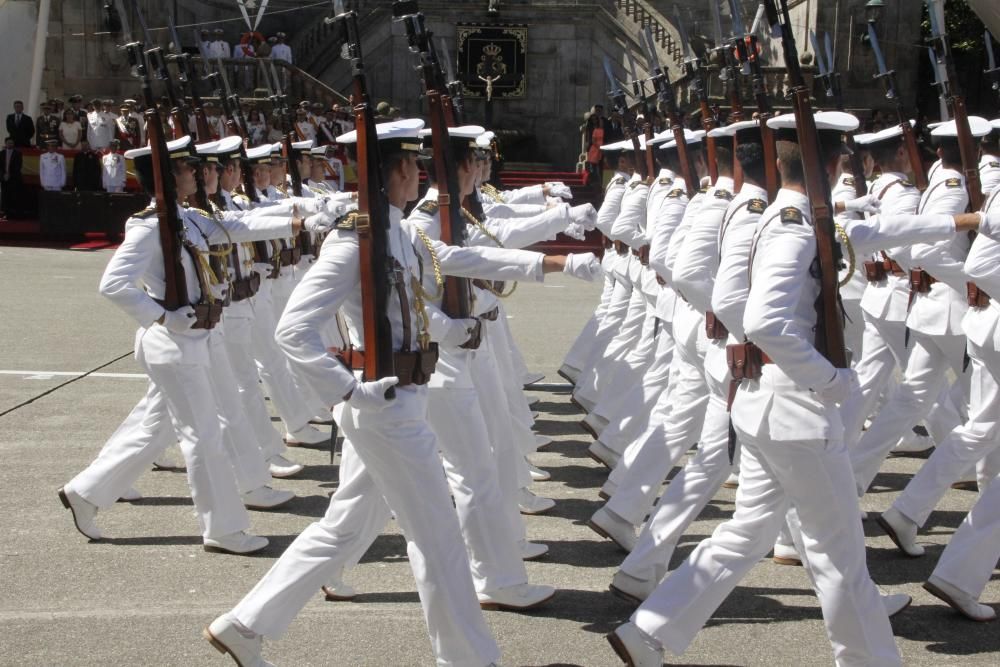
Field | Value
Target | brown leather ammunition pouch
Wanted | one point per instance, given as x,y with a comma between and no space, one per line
977,298
412,368
207,315
244,288
644,255
290,256
920,281
714,328
746,361
621,248
875,271
491,315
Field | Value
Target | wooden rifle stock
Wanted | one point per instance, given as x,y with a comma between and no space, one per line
708,123
748,52
829,329
969,152
913,153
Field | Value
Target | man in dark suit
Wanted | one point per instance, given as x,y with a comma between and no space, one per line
20,126
10,179
87,168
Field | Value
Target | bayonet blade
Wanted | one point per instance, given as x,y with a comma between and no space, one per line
873,40
338,7
819,54
716,22
682,32
612,81
175,41
936,19
446,60
831,61
225,79
988,38
145,28
757,19
654,58
123,17
276,79
737,18
266,77
934,66
631,66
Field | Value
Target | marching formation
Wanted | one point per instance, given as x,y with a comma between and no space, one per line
721,324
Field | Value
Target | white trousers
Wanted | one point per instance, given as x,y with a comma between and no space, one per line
926,376
970,557
688,492
966,445
884,350
620,306
815,477
627,375
399,452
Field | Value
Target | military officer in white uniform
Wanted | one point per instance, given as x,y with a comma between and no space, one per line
113,169
52,167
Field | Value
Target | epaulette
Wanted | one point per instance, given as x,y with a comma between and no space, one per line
994,164
430,207
724,194
703,190
791,215
756,205
953,183
240,197
147,212
676,193
848,180
347,222
634,184
618,180
199,211
666,180
906,184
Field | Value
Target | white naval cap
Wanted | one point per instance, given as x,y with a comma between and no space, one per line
470,132
259,154
979,126
178,148
227,147
881,135
995,123
320,151
835,121
690,137
733,128
485,140
406,128
618,146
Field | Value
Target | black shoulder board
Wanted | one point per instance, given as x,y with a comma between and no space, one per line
848,180
619,180
145,213
430,207
995,164
666,180
953,183
675,193
703,190
724,194
634,184
756,205
347,222
905,183
791,215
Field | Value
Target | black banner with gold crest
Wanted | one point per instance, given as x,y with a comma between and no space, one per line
493,59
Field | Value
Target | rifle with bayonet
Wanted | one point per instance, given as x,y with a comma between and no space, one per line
457,298
729,74
158,63
372,221
169,224
991,70
748,53
451,82
888,78
966,143
829,325
187,78
831,83
639,93
695,72
236,123
620,104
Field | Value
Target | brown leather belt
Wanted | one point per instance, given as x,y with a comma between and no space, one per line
746,361
876,272
714,328
244,288
976,297
491,315
621,248
206,315
412,368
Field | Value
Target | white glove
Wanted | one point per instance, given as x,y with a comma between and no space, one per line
575,230
841,386
584,215
179,320
319,222
370,396
458,332
865,204
584,266
560,190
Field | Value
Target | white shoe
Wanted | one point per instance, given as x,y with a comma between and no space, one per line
266,498
281,467
603,454
532,378
84,513
519,597
542,441
895,603
959,600
537,474
632,589
307,435
912,442
532,550
609,525
235,543
323,419
634,647
732,482
569,373
338,591
529,503
131,495
786,554
901,531
240,643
